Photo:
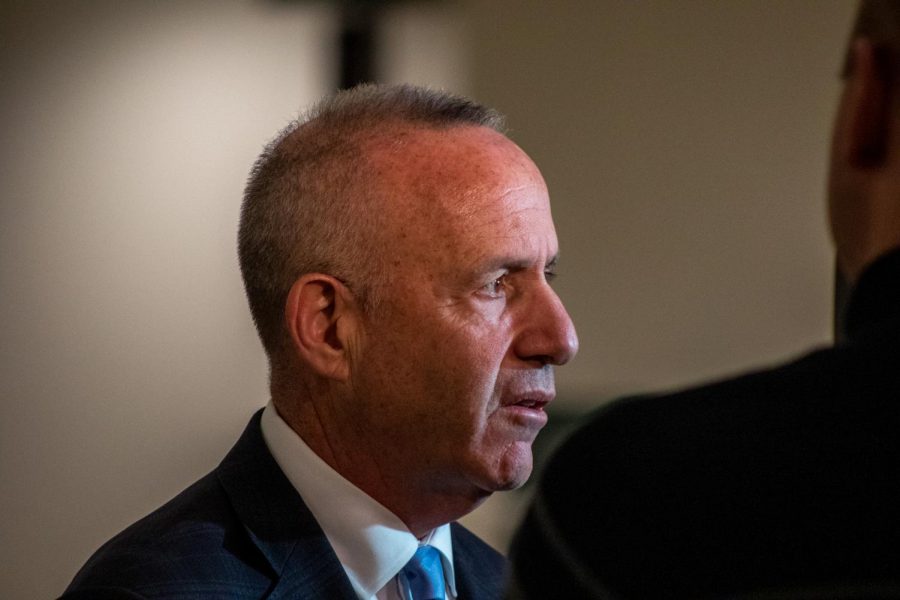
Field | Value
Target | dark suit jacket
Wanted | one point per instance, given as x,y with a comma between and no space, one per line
244,532
785,479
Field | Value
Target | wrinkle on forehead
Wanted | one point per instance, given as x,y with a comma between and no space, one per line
486,203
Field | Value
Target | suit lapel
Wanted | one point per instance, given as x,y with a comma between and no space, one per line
279,523
479,570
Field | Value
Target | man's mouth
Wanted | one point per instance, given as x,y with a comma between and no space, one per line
531,399
532,403
527,409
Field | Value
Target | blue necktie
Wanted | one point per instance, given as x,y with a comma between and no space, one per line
425,574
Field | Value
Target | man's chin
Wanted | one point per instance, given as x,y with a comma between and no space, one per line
511,485
513,477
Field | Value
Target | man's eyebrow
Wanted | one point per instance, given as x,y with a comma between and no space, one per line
510,263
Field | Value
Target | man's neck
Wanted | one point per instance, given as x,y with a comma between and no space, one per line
420,507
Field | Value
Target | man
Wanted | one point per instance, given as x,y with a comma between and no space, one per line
779,484
396,251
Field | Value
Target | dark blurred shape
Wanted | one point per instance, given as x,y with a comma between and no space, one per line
777,484
357,43
841,297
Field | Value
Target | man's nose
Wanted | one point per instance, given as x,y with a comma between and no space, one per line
547,335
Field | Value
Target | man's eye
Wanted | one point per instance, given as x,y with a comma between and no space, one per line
495,288
549,276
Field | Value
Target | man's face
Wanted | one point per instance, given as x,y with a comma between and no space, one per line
454,368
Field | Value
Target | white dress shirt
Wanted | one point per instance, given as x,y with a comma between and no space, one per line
371,542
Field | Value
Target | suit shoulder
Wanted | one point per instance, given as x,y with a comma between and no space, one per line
844,391
480,570
783,394
105,593
193,542
466,542
761,445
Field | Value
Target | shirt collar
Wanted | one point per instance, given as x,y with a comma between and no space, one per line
370,541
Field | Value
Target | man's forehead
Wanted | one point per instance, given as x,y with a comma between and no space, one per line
455,170
456,195
418,147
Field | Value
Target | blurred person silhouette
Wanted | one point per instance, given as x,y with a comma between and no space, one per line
782,483
396,250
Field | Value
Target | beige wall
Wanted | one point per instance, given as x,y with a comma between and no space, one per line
684,143
685,147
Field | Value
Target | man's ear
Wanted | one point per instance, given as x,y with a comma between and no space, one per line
321,316
865,107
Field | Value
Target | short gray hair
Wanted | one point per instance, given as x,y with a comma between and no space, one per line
304,210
